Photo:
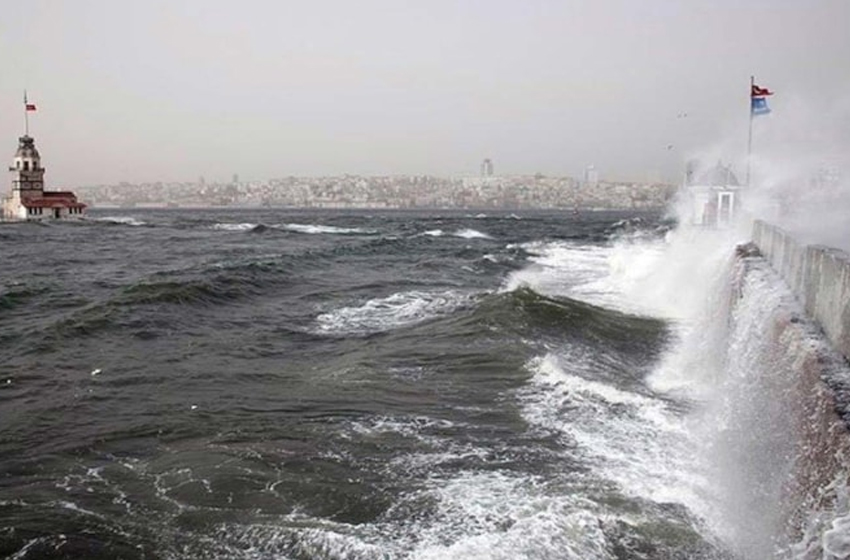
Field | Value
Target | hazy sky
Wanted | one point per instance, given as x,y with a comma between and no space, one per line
177,89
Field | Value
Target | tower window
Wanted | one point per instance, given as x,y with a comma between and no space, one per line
26,166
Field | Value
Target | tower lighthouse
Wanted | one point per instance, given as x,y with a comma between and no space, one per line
28,200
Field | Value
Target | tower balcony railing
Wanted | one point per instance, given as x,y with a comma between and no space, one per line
28,171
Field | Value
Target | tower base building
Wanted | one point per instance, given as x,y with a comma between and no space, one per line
713,194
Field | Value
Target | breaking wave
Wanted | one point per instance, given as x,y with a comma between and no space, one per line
391,312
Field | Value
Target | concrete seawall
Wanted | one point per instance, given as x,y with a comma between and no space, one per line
819,276
787,397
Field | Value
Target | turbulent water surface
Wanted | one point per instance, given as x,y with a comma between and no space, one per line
281,384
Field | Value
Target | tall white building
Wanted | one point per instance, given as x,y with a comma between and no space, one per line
487,168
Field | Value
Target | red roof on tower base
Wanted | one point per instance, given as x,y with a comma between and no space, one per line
54,199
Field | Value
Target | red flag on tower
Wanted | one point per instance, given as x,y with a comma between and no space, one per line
756,91
27,105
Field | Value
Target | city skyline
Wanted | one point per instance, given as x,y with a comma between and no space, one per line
399,192
176,90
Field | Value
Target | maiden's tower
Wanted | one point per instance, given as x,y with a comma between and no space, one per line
28,200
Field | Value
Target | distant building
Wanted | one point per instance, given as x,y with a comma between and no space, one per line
28,200
487,168
591,175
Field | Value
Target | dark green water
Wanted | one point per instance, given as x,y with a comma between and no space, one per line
281,384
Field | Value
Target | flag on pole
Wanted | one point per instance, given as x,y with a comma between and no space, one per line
758,100
27,105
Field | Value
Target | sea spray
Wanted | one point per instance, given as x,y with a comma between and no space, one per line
649,446
772,447
694,363
674,279
770,444
795,443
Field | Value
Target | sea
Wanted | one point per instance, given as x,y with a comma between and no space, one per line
340,384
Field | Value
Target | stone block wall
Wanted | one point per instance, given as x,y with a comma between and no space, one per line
818,275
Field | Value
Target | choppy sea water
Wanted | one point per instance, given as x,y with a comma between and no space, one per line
299,385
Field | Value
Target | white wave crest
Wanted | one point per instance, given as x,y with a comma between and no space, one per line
632,439
564,269
320,229
234,227
397,310
622,276
123,220
469,233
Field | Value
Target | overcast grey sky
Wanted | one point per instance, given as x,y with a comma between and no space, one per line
177,89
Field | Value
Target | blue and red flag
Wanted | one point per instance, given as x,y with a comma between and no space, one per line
758,100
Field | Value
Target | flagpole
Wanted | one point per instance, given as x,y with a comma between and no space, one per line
26,116
750,136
